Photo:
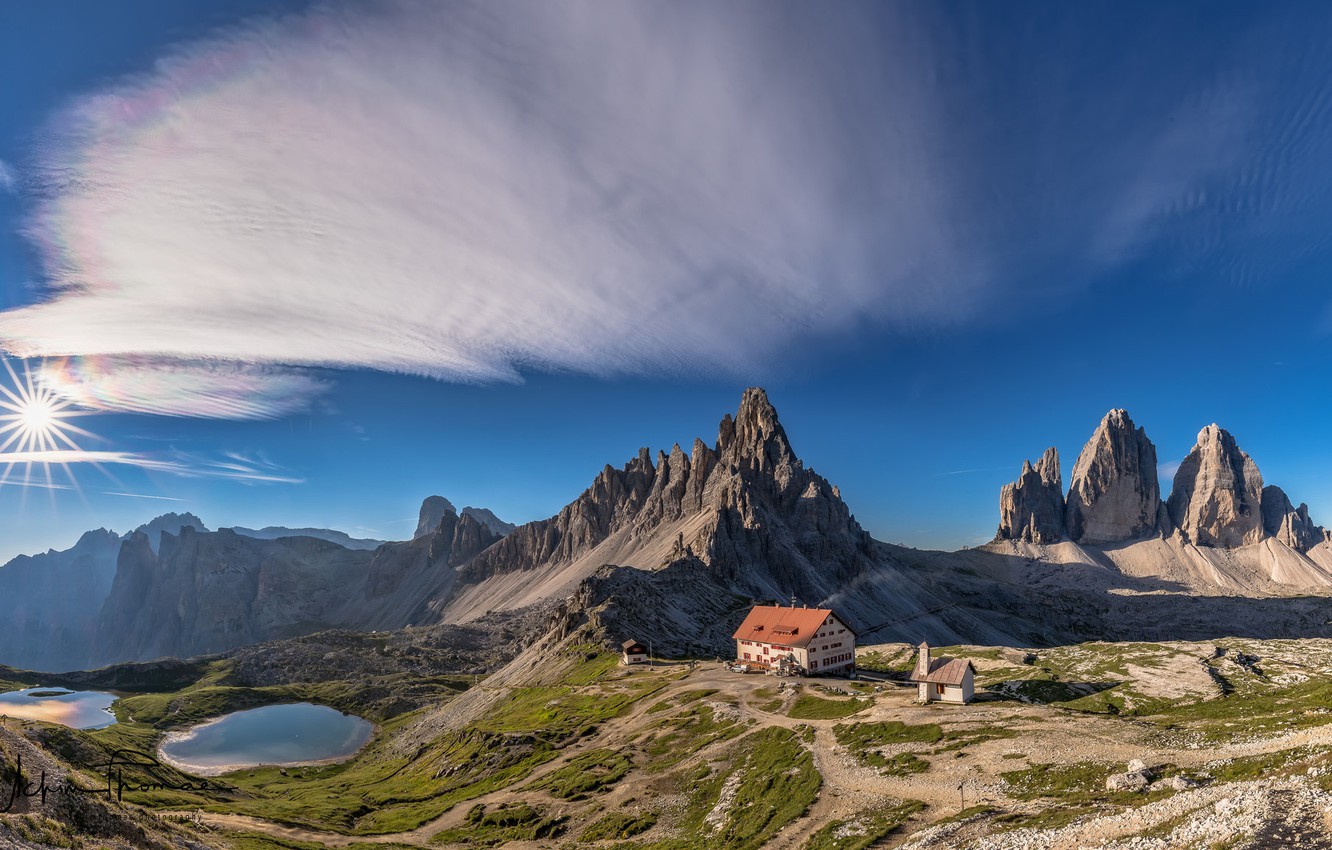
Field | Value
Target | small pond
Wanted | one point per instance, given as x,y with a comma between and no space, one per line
288,734
75,709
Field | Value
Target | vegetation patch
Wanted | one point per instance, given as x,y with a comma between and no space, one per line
861,736
889,661
675,738
866,741
1078,789
770,781
864,829
809,707
379,792
585,774
489,827
618,825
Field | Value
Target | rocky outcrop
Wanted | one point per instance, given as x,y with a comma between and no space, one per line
1032,508
207,592
1114,494
169,523
49,602
487,517
432,511
1289,524
1218,492
274,532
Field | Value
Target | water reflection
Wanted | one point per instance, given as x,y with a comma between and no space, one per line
75,709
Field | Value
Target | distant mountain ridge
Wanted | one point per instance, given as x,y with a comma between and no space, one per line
49,602
274,532
172,587
672,548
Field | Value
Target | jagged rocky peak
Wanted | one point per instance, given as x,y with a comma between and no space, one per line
487,517
1114,494
1032,508
432,511
1289,524
1218,492
169,523
751,490
755,435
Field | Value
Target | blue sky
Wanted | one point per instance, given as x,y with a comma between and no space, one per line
378,251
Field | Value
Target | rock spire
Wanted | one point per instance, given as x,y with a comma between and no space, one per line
1114,494
1218,492
1032,508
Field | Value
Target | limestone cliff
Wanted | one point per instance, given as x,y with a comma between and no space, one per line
433,509
1218,492
1032,508
1289,524
207,592
1114,494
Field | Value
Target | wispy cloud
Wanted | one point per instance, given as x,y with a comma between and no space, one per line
8,179
40,485
144,496
233,467
969,471
461,191
156,385
464,191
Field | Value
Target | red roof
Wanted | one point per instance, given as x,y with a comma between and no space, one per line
944,671
785,626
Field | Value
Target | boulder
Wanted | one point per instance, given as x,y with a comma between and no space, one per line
1131,781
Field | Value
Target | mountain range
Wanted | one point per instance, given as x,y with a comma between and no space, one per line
674,547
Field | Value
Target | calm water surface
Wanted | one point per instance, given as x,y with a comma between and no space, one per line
75,709
289,734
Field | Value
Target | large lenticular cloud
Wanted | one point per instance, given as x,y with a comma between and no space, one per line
466,191
461,191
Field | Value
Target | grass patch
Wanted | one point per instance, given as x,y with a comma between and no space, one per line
860,736
561,712
675,738
864,829
380,792
866,741
490,827
618,825
809,707
1077,789
901,660
770,782
585,774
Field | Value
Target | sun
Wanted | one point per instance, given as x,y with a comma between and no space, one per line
34,424
39,415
